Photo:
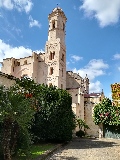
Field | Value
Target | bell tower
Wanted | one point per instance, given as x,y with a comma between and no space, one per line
55,49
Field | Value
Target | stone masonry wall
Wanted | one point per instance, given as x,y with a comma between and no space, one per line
6,80
94,129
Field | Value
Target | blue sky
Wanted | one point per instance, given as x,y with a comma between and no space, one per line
92,35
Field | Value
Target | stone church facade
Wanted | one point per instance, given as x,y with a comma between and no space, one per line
50,68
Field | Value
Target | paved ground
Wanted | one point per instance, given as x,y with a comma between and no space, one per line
89,149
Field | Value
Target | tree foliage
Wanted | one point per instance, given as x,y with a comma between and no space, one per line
106,113
55,119
16,112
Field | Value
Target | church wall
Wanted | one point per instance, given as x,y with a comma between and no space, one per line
18,67
7,66
6,80
89,110
77,102
23,70
94,129
71,82
74,93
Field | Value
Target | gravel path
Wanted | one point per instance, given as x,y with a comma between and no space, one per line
89,149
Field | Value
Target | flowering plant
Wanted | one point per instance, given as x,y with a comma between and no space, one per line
106,113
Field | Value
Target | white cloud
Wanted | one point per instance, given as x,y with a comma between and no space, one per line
95,87
95,68
107,12
116,56
7,51
33,22
6,4
28,7
76,58
20,5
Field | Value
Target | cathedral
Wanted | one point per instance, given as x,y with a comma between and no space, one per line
50,68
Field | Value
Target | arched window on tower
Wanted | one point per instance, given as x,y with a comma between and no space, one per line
51,70
53,24
52,55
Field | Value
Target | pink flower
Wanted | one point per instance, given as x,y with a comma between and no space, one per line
106,114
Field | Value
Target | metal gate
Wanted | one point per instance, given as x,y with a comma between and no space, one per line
111,131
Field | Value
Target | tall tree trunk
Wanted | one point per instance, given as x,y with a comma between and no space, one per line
14,136
6,139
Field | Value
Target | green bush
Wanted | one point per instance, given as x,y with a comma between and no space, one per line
54,120
16,112
80,133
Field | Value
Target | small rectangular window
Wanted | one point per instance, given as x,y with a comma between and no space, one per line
50,56
51,70
61,86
